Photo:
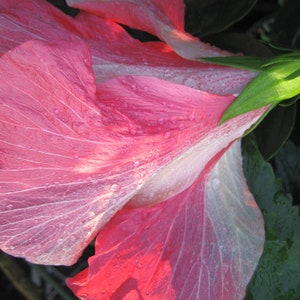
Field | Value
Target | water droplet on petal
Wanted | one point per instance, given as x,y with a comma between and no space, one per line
173,120
161,121
216,183
91,214
133,131
167,135
78,127
192,117
115,187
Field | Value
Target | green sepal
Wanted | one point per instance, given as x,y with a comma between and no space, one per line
279,80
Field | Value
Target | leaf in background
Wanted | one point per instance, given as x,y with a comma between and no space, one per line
275,129
211,16
277,275
240,43
286,27
287,163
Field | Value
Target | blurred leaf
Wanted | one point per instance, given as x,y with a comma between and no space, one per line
275,129
240,42
277,276
210,16
243,62
286,28
278,273
287,163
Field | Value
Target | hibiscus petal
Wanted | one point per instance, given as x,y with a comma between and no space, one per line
70,160
162,18
114,52
202,244
21,21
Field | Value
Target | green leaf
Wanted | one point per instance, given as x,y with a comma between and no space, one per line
285,30
279,80
242,62
240,43
278,273
275,129
287,163
210,16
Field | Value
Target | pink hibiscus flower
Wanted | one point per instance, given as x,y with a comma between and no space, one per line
102,135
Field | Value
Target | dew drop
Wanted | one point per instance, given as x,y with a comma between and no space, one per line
124,105
161,121
167,135
78,127
216,183
133,131
115,187
173,120
192,117
138,264
73,238
91,214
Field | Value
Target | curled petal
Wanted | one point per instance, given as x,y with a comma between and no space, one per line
204,243
114,52
162,18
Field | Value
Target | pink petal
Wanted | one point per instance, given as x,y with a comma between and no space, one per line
202,244
21,21
162,18
70,161
114,52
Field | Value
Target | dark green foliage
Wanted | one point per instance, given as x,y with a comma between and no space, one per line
278,273
287,163
275,129
210,16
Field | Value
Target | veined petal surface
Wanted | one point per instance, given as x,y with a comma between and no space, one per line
204,243
72,156
114,52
